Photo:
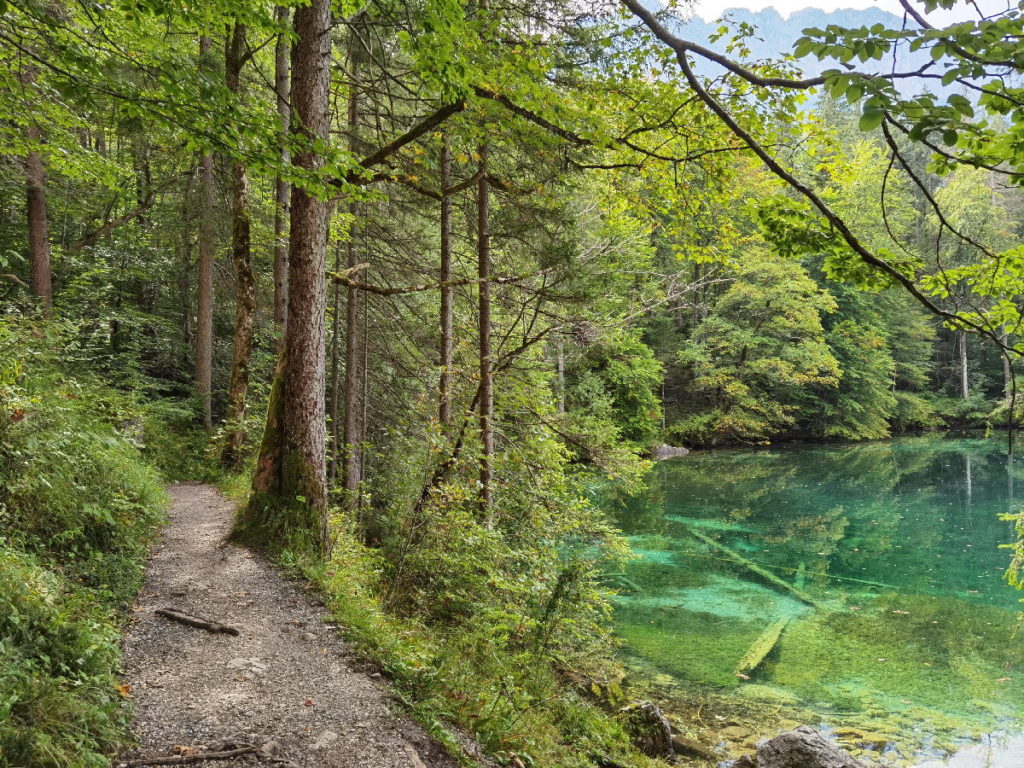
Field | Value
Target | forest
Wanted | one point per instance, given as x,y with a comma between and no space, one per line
409,279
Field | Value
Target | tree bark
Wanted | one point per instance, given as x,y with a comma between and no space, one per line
245,280
560,372
281,86
332,411
204,288
486,414
1007,369
41,280
961,343
447,291
185,272
291,470
352,455
38,222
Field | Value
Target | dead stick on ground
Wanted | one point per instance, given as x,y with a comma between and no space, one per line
225,754
195,621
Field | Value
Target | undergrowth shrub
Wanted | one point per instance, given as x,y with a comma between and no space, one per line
77,505
494,620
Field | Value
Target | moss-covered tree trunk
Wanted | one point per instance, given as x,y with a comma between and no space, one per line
290,484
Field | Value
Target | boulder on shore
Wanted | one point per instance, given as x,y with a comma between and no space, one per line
664,451
649,729
803,747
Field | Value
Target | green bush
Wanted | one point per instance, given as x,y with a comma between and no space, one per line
58,652
175,444
77,505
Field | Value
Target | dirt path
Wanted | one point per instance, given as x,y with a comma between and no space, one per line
283,685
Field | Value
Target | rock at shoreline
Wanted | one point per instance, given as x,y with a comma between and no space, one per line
664,451
803,747
649,729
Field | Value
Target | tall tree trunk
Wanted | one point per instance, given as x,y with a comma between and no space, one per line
245,280
332,411
560,372
35,209
447,291
204,287
280,184
961,343
38,222
185,271
352,454
486,364
1007,368
291,471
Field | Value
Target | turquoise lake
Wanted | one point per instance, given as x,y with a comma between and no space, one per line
873,572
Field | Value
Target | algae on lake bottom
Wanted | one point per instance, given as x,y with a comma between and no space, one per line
914,643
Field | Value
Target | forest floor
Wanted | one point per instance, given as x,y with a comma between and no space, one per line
286,690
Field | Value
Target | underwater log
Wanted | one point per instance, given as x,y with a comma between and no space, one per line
768,576
762,646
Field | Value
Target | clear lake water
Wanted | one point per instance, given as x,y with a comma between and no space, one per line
875,573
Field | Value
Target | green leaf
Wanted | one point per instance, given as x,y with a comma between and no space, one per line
871,119
803,48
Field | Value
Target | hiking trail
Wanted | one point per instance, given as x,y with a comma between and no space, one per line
285,691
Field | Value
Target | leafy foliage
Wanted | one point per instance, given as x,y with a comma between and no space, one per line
759,352
77,505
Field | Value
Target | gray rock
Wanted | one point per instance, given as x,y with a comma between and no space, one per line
663,451
325,739
803,747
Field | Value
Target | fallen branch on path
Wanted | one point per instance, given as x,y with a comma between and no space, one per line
224,754
194,621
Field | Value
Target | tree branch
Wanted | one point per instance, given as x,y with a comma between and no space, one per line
682,47
831,216
424,126
343,278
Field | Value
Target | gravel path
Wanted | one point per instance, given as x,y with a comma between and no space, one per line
284,685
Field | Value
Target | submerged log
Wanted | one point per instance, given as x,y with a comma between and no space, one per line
649,729
801,575
753,567
762,646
